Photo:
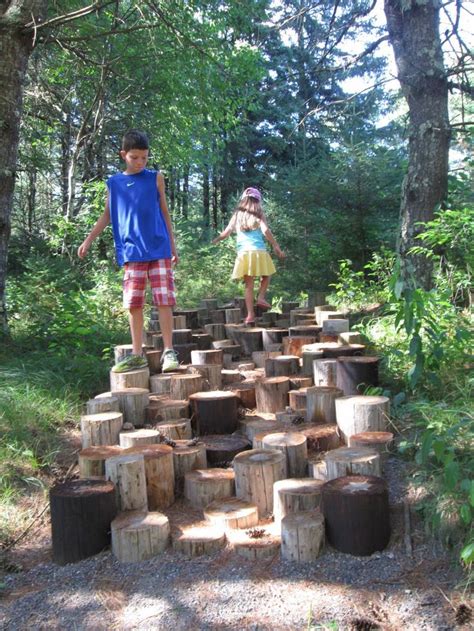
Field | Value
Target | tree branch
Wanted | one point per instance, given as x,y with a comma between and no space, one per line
67,17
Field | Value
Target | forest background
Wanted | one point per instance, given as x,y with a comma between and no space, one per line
298,98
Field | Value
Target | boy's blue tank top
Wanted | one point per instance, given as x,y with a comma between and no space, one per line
140,231
250,240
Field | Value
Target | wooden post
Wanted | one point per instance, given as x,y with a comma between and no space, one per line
182,336
317,468
300,382
231,376
335,326
179,322
165,409
191,318
251,340
182,386
186,458
233,316
293,446
295,495
132,379
198,540
302,536
81,512
161,384
325,372
132,404
321,438
255,473
282,366
101,429
211,374
209,303
138,535
304,330
352,461
138,437
127,472
350,337
356,510
354,374
217,316
322,315
252,428
159,474
297,399
179,429
106,404
375,441
92,460
203,341
259,357
214,412
216,331
203,486
333,349
212,356
221,449
320,404
245,392
231,513
183,351
308,359
272,394
153,358
293,345
359,413
273,336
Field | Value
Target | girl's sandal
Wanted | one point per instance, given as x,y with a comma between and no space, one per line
263,304
249,320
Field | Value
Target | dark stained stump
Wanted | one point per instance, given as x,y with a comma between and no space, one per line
245,391
184,352
203,341
182,336
333,349
191,316
250,340
321,438
273,336
217,316
288,306
216,331
153,358
282,366
81,513
354,374
304,330
356,511
222,448
214,412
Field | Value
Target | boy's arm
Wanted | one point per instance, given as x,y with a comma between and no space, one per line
160,182
267,233
99,227
226,232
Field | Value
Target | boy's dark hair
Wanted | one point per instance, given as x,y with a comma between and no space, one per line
134,139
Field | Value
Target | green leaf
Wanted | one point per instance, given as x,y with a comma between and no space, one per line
438,448
415,345
426,444
467,553
451,475
465,513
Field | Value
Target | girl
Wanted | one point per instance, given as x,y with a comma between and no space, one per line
250,224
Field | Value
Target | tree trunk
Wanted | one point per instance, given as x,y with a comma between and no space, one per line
16,45
413,29
205,194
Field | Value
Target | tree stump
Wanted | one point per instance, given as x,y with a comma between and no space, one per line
99,406
245,392
288,306
216,331
157,342
191,318
92,460
359,413
183,351
252,428
221,344
269,318
320,404
231,513
257,442
127,472
211,374
233,330
255,544
203,486
214,412
302,536
153,358
272,394
138,535
333,349
209,303
217,316
375,441
259,357
356,511
350,337
293,447
186,458
203,341
255,473
300,382
132,404
161,384
230,376
138,437
321,438
282,366
317,469
121,351
326,314
304,330
199,540
81,512
101,429
132,379
221,449
308,359
273,336
182,336
166,410
212,356
294,345
233,316
251,340
297,399
179,322
179,429
183,386
352,461
325,372
354,374
335,326
159,474
295,495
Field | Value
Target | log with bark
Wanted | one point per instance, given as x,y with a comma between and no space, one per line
293,447
106,404
354,374
302,536
183,386
127,472
359,413
139,535
138,437
198,540
282,366
221,449
92,460
203,486
231,513
132,379
295,495
178,429
321,404
352,461
159,474
271,394
211,373
214,412
379,442
101,429
132,404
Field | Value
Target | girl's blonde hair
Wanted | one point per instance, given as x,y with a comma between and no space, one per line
248,214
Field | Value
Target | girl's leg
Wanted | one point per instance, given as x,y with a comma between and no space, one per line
264,282
165,315
135,317
248,280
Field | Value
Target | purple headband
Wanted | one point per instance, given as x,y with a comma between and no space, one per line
252,192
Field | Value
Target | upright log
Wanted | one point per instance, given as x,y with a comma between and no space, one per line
233,316
211,374
293,345
186,458
352,461
265,546
153,358
359,413
138,437
293,447
320,404
255,473
179,429
231,513
132,404
81,512
251,340
273,336
203,341
211,356
376,441
252,428
354,374
183,386
182,336
214,412
325,372
308,358
282,366
101,429
356,510
197,540
297,399
132,379
321,438
304,330
272,394
245,392
302,536
203,486
127,472
335,326
138,535
106,404
221,449
159,474
295,495
216,331
92,460
161,384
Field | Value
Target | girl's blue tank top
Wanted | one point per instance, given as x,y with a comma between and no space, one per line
250,240
139,228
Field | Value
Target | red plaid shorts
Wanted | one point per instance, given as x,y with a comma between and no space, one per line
160,274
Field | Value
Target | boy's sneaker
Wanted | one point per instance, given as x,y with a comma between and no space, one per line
131,362
169,360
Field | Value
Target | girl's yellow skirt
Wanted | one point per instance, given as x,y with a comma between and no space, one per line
253,263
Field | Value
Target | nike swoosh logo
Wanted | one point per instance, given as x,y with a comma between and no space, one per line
130,183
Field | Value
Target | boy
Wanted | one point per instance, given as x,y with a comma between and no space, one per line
144,243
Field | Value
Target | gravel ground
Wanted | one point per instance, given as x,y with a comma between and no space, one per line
388,590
